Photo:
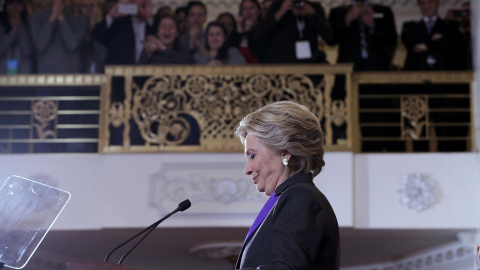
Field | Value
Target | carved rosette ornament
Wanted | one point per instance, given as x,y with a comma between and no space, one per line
116,114
45,112
414,110
339,112
417,191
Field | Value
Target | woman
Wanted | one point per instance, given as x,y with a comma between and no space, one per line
216,50
297,228
16,47
228,21
165,48
249,16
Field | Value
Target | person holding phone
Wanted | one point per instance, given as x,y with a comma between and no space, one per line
124,30
292,28
366,35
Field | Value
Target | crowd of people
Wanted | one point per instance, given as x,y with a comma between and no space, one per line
69,39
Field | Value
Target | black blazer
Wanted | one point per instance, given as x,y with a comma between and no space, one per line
443,50
119,40
283,35
381,40
300,232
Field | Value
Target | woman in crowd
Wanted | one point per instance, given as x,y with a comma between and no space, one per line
230,24
297,228
16,47
165,48
250,14
216,50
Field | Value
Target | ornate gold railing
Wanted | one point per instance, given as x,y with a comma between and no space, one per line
413,111
49,113
196,108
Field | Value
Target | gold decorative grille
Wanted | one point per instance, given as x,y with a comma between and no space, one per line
413,111
197,108
49,113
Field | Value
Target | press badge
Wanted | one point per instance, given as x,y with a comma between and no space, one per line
302,50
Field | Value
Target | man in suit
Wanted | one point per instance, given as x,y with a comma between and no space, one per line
293,28
431,42
196,16
365,33
124,35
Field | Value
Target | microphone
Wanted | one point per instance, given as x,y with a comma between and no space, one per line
181,207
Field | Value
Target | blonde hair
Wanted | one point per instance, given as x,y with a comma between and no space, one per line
291,127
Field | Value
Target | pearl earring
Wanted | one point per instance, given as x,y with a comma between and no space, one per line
285,162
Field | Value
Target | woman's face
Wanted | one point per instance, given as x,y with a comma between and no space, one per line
249,11
167,31
265,167
228,23
215,37
15,8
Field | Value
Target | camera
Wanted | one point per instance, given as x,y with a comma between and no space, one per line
298,3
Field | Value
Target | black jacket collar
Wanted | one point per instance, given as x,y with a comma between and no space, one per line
294,179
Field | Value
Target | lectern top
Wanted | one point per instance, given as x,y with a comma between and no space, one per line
28,210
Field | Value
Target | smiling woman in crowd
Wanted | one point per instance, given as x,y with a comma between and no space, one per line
216,50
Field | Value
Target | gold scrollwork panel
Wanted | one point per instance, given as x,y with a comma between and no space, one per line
198,108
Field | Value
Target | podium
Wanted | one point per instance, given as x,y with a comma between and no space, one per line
28,210
93,265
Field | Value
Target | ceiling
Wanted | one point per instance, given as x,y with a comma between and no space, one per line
169,248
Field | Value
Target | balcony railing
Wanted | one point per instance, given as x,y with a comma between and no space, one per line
196,108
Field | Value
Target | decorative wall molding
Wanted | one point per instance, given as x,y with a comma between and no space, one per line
177,182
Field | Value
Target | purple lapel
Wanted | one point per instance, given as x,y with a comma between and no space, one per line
262,215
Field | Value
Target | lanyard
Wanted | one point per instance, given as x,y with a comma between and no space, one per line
300,26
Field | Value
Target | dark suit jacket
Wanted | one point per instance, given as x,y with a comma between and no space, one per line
119,39
300,232
381,40
283,35
443,50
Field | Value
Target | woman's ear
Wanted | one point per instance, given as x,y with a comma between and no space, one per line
286,154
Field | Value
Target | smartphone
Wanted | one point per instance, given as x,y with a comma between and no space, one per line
130,9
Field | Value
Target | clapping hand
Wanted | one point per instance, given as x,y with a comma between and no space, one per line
153,44
57,10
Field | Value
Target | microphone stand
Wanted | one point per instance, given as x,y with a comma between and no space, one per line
152,227
181,207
